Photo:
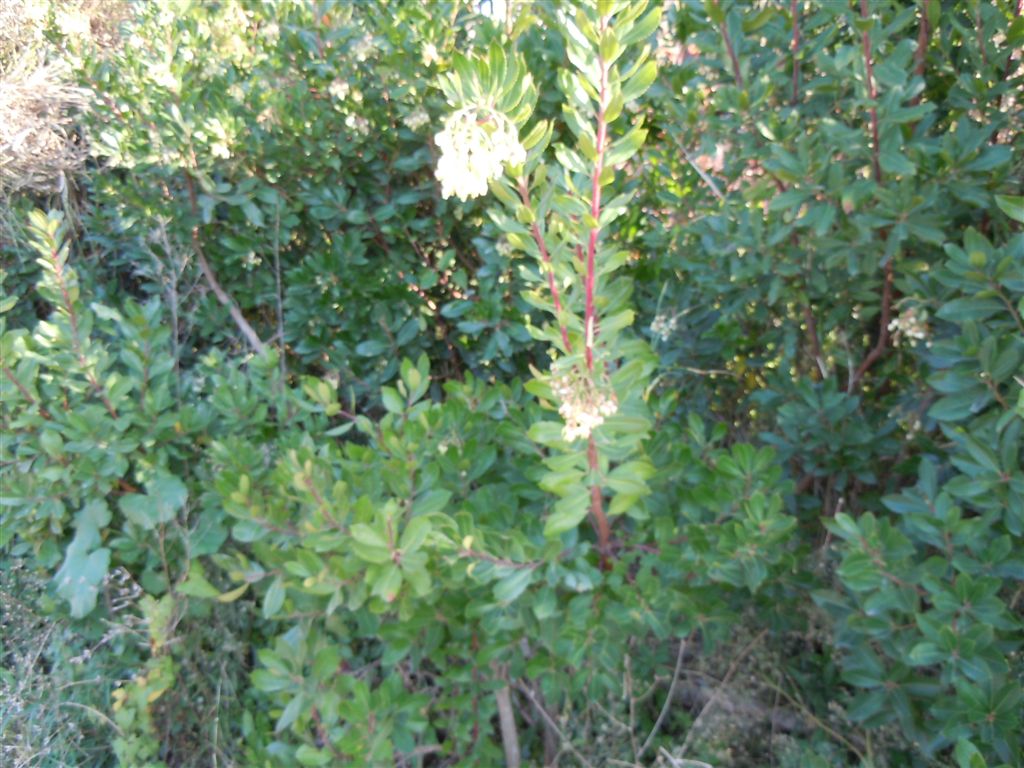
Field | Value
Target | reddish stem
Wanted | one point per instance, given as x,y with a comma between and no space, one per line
923,34
26,394
812,335
794,11
597,514
886,311
598,517
883,329
732,53
76,342
545,256
872,94
590,318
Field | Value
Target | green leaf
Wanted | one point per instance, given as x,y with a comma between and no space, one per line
623,149
643,29
895,162
197,585
638,84
233,594
274,599
308,755
253,213
968,756
568,513
291,713
432,501
513,585
925,654
387,583
367,536
393,402
1012,206
415,534
372,348
80,577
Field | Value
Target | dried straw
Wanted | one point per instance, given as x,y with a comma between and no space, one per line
39,148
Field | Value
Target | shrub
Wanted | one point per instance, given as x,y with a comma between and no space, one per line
659,358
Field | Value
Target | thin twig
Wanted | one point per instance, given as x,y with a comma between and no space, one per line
528,692
703,174
779,690
26,394
211,278
668,700
549,267
682,762
277,280
93,711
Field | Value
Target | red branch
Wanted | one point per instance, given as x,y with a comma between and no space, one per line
26,394
886,309
732,53
872,94
597,514
923,34
883,329
794,11
76,342
524,195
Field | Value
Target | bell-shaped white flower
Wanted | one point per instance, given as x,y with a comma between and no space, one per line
475,145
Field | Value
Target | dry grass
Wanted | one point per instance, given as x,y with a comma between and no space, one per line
40,150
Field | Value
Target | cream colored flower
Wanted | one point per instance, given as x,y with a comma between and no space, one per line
911,324
417,118
664,326
430,54
584,406
475,145
338,89
359,124
363,48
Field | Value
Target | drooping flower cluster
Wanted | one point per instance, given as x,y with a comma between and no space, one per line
416,119
664,326
584,405
475,145
339,89
911,324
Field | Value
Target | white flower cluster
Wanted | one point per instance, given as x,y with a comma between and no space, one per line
664,326
584,407
430,54
363,48
475,145
359,124
338,89
417,119
911,324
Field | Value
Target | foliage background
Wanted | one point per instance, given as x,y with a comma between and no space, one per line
212,445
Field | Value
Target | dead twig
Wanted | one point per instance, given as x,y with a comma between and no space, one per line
528,692
211,278
668,700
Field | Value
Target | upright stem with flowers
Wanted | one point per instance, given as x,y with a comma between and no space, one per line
558,216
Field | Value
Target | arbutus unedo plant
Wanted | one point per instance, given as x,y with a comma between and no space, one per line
562,216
